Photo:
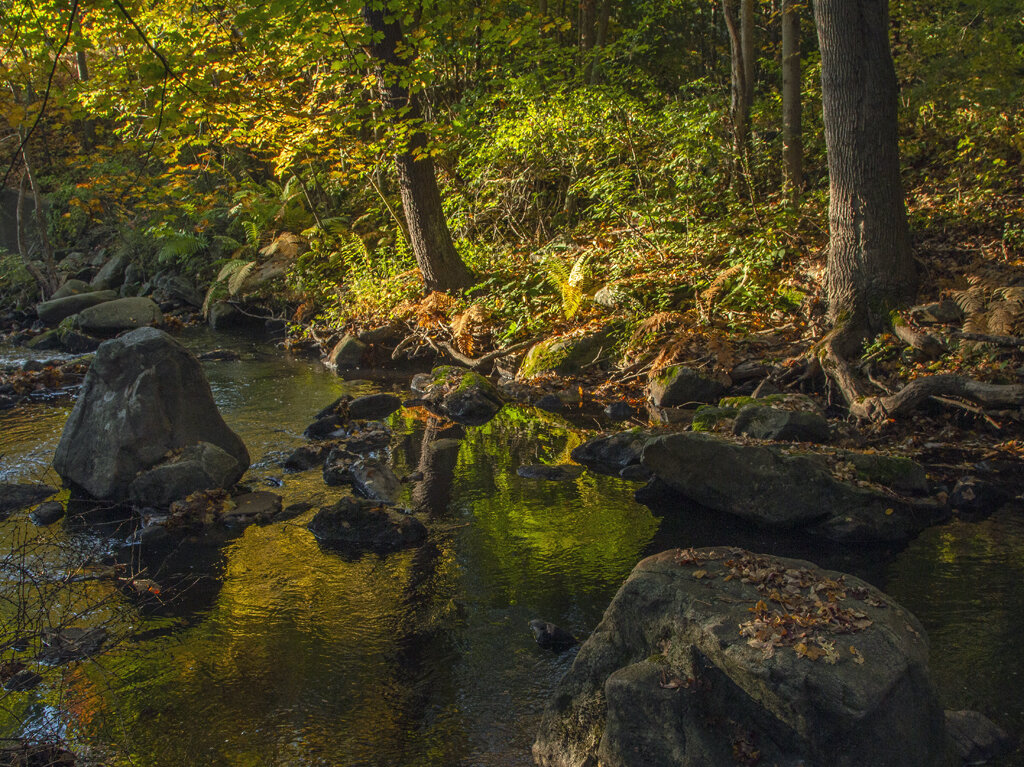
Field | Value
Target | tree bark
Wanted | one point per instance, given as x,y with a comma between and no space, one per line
747,48
431,241
792,139
870,265
739,108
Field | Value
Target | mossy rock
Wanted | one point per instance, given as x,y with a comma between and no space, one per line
709,417
900,474
564,355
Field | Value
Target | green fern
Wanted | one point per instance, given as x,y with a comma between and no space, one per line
252,233
179,246
574,284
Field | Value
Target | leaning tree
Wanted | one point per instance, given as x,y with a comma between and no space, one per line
431,241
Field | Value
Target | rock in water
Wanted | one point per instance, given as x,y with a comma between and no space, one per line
123,314
357,524
144,396
692,667
551,637
14,497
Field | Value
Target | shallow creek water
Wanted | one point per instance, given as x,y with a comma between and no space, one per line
280,653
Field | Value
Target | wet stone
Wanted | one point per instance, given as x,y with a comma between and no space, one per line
14,497
48,513
69,644
543,471
23,680
356,524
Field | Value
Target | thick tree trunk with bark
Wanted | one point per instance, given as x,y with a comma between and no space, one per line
870,266
429,236
792,140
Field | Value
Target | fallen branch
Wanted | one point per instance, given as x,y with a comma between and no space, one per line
925,343
479,362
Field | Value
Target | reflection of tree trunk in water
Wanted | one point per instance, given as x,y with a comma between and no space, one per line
438,456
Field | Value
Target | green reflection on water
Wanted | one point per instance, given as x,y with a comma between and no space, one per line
303,656
964,581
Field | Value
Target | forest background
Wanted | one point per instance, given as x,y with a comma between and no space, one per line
599,164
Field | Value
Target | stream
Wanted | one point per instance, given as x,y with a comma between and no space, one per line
269,650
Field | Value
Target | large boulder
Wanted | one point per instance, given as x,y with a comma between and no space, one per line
722,657
144,396
773,488
122,314
56,309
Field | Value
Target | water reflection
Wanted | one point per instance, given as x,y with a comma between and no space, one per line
273,652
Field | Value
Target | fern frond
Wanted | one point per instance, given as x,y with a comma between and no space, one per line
252,233
230,268
239,277
1002,317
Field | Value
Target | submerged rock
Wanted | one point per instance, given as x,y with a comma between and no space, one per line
144,396
765,485
978,740
64,645
551,637
611,453
15,497
48,513
360,524
559,473
692,667
220,355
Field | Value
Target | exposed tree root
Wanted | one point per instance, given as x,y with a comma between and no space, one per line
872,407
473,363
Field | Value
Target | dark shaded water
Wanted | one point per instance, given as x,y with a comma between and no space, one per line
279,653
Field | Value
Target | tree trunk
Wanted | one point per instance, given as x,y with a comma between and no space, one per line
870,265
429,236
739,109
747,47
792,141
600,40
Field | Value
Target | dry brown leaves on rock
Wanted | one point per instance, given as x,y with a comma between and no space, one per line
199,509
798,608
